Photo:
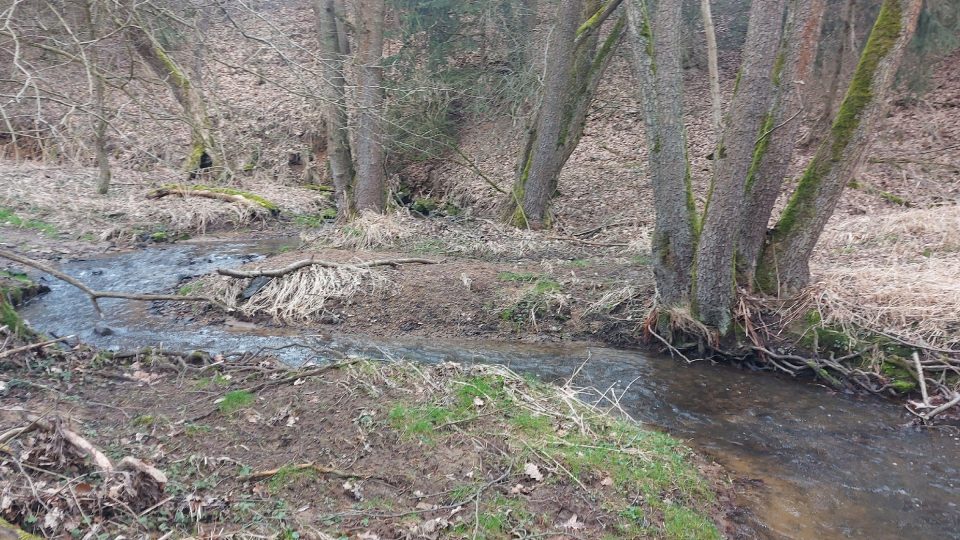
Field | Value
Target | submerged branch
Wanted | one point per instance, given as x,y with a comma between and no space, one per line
96,295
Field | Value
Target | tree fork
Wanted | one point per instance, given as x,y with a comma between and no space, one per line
715,258
784,263
775,149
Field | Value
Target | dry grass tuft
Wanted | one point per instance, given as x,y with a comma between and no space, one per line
917,302
371,230
300,296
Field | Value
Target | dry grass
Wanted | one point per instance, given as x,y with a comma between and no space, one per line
897,273
370,230
66,197
300,296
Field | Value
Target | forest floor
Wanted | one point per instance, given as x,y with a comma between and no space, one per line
244,447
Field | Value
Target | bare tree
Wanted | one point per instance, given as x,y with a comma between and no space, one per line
371,185
164,66
694,258
713,68
576,63
339,153
92,19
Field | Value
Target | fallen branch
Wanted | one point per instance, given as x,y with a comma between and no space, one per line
96,295
608,225
941,408
300,375
32,346
221,194
293,267
263,475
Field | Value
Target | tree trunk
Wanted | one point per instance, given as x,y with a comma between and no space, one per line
573,73
187,95
657,61
750,108
92,16
333,92
774,152
371,188
784,264
712,67
833,89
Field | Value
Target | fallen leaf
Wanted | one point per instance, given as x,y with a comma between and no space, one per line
533,472
572,524
52,520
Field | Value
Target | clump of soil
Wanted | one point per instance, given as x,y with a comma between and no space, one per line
243,447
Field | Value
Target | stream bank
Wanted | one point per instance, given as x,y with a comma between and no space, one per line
245,447
873,474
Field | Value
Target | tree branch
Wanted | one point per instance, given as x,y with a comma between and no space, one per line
293,267
96,295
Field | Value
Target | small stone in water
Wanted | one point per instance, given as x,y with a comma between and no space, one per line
102,330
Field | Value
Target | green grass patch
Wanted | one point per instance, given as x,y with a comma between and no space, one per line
316,221
9,217
287,475
519,277
236,400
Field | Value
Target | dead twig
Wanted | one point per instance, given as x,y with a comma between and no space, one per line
96,295
300,375
293,267
263,475
32,346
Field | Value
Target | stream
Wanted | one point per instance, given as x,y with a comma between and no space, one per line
831,466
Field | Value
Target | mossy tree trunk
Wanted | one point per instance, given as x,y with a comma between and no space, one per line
333,92
784,262
750,109
575,65
188,96
656,48
697,263
371,181
775,148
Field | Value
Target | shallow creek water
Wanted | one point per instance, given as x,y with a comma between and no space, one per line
831,466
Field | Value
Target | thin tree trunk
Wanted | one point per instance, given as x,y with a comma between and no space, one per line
92,16
187,95
527,206
574,70
371,188
712,67
847,37
784,265
656,51
339,153
774,152
716,251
